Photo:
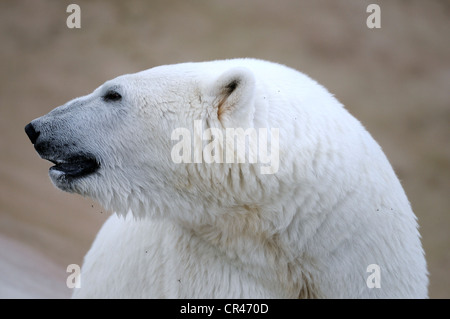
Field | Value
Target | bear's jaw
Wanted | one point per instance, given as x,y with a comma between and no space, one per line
77,166
67,171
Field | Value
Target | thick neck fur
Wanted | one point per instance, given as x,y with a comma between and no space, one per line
248,239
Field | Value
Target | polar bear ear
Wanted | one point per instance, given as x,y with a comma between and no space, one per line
233,94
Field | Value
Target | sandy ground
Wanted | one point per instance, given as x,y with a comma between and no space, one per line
394,79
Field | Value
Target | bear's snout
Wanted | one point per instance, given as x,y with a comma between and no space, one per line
70,161
32,133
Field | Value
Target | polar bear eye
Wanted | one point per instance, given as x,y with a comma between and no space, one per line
112,96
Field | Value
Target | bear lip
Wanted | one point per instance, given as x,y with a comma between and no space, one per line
75,166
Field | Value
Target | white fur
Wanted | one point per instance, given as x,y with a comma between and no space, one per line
334,207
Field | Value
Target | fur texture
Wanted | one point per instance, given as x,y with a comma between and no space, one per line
220,230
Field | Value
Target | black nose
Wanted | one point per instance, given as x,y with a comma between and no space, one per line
32,133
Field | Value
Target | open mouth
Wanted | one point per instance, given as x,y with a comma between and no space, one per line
76,166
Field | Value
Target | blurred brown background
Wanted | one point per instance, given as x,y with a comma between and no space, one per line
395,80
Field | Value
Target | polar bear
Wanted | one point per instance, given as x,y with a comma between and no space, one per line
330,220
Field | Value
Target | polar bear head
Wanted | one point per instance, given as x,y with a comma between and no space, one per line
140,140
